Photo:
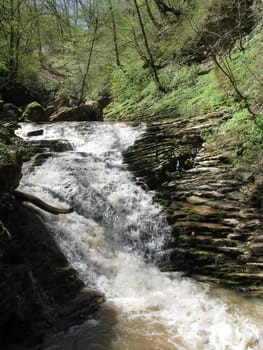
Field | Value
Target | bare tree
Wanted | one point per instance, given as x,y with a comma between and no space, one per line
148,50
151,16
91,17
114,30
14,34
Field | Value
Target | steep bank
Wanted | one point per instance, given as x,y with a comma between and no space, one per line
216,223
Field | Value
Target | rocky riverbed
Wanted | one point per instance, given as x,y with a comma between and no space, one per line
214,208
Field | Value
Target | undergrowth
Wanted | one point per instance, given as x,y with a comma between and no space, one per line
193,90
189,93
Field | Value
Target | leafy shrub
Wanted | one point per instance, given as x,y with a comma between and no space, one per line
129,81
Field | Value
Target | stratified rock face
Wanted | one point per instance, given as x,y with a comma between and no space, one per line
216,221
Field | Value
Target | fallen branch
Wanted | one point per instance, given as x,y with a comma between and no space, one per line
41,204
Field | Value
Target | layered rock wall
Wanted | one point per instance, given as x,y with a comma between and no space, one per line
216,225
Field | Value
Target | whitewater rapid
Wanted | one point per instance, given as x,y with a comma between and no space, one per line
115,239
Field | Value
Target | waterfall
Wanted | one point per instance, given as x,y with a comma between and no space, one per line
114,239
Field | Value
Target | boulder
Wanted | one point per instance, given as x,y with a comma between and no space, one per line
41,146
90,111
59,103
34,112
37,132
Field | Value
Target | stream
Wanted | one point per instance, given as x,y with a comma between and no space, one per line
115,238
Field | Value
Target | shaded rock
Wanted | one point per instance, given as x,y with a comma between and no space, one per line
34,112
11,110
10,174
91,111
11,158
104,100
39,294
256,196
60,103
45,146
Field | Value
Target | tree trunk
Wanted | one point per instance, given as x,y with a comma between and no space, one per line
114,29
151,16
14,41
83,84
37,25
150,56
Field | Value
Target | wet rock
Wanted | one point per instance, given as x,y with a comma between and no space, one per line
46,146
257,249
35,133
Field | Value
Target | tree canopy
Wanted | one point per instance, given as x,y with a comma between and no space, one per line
76,46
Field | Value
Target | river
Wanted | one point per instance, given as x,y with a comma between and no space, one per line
114,238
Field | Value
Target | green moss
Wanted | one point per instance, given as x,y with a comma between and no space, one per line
33,106
39,160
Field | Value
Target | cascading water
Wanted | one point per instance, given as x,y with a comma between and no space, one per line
114,238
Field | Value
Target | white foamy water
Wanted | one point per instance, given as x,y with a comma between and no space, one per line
114,238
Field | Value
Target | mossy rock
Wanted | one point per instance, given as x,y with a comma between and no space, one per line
34,112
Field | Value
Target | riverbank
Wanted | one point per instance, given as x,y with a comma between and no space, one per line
211,205
40,292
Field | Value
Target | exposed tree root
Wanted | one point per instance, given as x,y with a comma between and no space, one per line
40,203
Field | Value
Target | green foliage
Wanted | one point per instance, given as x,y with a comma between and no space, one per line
188,94
11,153
242,137
129,81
